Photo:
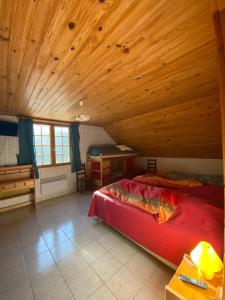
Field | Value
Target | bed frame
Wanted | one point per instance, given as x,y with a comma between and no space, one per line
105,169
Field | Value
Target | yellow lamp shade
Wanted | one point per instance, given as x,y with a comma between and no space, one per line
206,259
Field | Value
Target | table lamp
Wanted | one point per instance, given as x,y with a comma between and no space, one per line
206,259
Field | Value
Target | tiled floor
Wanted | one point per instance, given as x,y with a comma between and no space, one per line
58,253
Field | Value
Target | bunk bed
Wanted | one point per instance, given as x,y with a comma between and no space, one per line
107,164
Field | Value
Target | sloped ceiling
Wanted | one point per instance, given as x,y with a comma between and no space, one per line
145,70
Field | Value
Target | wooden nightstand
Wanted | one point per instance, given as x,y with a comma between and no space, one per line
178,289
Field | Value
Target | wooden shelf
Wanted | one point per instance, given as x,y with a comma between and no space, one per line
17,181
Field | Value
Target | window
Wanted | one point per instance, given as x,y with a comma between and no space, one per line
62,144
42,144
51,144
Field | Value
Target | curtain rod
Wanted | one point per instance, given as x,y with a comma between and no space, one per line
47,120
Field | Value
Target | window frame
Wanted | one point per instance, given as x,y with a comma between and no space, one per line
52,144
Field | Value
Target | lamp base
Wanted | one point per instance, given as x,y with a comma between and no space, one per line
206,274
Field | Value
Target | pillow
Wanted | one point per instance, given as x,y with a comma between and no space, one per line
124,148
159,202
157,180
212,179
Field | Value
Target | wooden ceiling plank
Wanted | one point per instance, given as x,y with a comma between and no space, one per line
41,20
90,72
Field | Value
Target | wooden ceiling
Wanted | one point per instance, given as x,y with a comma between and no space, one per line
146,70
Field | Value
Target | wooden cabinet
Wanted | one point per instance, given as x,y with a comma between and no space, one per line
178,289
17,181
105,169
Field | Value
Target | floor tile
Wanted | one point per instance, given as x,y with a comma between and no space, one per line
142,265
10,260
39,263
123,284
11,278
124,251
109,240
106,266
92,251
29,239
54,239
61,292
102,294
63,250
33,250
72,228
146,293
160,279
9,245
21,292
72,265
49,279
84,283
81,240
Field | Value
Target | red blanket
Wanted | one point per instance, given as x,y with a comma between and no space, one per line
195,219
159,202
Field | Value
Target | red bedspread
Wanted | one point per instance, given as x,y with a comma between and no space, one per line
157,201
195,219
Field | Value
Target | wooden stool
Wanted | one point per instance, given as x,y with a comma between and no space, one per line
83,181
151,166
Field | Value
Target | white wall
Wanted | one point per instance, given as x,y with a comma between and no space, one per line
92,135
89,135
187,165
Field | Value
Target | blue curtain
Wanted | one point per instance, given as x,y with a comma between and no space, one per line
26,144
76,164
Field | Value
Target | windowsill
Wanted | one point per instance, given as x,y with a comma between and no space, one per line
54,165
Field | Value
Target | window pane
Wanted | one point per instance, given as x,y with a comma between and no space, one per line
46,160
66,150
39,160
45,129
38,149
46,150
58,131
59,159
58,140
37,129
58,149
45,140
65,131
65,140
42,143
37,140
66,158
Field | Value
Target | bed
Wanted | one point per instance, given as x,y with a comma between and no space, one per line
106,164
199,216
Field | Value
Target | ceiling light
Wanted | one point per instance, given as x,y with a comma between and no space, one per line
82,118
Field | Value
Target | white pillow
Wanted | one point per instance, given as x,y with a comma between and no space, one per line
124,148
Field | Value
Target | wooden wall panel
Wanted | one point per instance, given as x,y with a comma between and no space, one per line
124,59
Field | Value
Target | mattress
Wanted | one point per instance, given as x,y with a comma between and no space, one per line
107,150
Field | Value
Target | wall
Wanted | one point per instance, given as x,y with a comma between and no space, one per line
89,135
187,165
92,135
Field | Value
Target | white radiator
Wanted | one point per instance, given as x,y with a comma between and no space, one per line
53,185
